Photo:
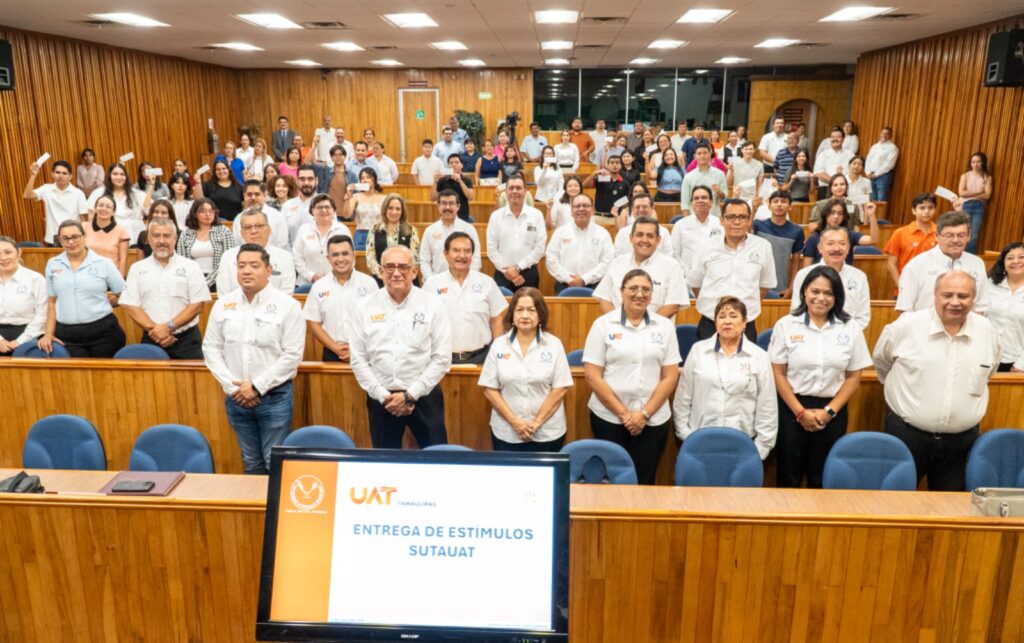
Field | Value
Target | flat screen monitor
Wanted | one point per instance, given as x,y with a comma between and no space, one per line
386,545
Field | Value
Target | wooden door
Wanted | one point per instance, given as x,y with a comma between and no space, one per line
418,112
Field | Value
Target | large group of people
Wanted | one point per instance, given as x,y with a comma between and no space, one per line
423,303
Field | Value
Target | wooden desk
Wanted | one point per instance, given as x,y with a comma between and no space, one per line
646,565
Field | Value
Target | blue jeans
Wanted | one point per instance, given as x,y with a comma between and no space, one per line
881,187
976,209
260,428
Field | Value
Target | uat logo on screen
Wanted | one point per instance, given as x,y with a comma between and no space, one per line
371,495
307,492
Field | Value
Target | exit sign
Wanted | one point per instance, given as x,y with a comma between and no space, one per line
485,95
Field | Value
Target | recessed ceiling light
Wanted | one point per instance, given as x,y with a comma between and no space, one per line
628,71
556,17
410,20
852,14
705,15
343,45
643,61
556,71
773,43
387,62
448,45
303,63
732,60
556,44
130,19
556,61
666,44
700,71
472,62
237,46
663,85
650,91
268,20
619,80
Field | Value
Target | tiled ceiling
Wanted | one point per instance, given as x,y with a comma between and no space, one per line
503,32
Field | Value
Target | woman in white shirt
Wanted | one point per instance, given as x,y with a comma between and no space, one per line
245,151
727,382
560,213
548,179
309,252
746,174
22,299
817,355
525,378
1006,308
180,197
260,161
859,191
567,155
129,200
631,362
851,142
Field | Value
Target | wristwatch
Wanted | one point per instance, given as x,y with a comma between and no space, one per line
171,325
410,400
830,411
647,416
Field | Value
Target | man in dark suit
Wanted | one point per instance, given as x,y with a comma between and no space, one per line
283,138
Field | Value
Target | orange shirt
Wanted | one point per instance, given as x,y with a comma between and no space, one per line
583,143
909,241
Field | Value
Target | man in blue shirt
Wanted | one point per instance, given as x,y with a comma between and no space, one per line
786,157
690,146
445,148
458,134
361,161
781,228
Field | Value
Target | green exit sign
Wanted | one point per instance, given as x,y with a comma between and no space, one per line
485,95
420,114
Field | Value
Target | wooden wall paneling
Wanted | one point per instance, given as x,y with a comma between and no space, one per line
831,96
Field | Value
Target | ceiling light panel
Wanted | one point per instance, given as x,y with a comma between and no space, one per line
472,62
556,17
666,44
554,45
853,14
410,20
732,60
303,62
643,61
237,46
775,43
705,15
343,45
387,62
130,19
268,20
556,61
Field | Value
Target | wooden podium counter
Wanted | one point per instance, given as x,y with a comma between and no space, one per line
647,565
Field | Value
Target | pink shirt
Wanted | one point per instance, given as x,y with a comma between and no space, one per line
715,163
287,170
104,243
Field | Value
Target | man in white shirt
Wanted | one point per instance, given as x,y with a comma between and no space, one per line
641,205
472,300
772,143
401,346
335,297
425,167
324,140
256,230
387,170
667,276
339,139
703,174
253,347
952,231
599,135
696,228
579,251
254,196
834,246
934,365
61,200
532,147
516,235
165,293
680,137
880,163
739,264
296,210
831,161
432,257
445,148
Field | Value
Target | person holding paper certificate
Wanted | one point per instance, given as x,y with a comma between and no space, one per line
363,200
860,185
746,174
61,200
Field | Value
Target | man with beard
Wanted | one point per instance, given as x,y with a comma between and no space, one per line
296,210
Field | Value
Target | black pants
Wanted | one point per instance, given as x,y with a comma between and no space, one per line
666,197
645,449
800,452
426,422
552,446
530,276
11,332
940,456
478,356
101,338
329,356
1003,368
188,346
559,286
706,328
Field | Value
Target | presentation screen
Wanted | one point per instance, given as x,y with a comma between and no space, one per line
379,545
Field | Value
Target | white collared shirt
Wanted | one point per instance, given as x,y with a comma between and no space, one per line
917,281
331,304
261,341
23,302
432,260
567,155
586,253
829,160
632,359
282,277
327,141
309,252
278,228
1007,314
525,381
818,359
666,273
772,143
934,381
400,347
689,234
881,158
470,306
735,391
387,170
623,246
516,240
61,205
855,287
164,291
296,214
720,271
424,168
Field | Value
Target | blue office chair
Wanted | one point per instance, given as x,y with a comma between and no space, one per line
772,294
866,250
29,349
359,241
764,339
676,219
302,289
171,447
470,219
64,442
870,460
598,461
141,351
884,222
997,460
575,357
719,457
447,447
319,436
686,335
30,244
505,291
577,291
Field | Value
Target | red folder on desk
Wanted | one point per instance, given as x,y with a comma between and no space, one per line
163,482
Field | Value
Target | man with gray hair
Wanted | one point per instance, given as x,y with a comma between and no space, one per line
934,365
952,231
165,293
256,229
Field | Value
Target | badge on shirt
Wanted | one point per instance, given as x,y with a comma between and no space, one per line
531,228
478,288
657,338
94,271
442,291
323,293
614,336
569,240
546,356
22,290
230,306
379,317
852,285
418,318
180,272
796,339
437,236
503,355
271,308
754,257
843,339
361,291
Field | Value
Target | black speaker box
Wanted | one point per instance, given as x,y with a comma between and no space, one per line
6,65
1004,66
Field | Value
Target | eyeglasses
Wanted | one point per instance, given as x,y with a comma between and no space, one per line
580,206
324,207
396,267
253,227
962,236
643,290
72,239
735,218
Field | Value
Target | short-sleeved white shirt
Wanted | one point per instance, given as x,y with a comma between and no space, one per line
818,358
720,271
330,303
586,253
469,306
689,234
917,281
666,273
60,205
164,291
